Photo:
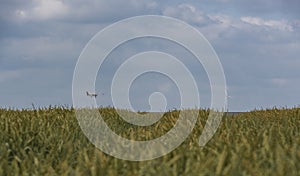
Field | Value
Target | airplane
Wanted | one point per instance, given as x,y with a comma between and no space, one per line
91,94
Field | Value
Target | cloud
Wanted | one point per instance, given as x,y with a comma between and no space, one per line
267,8
188,13
9,75
108,11
43,10
279,81
79,11
257,42
275,24
39,48
221,19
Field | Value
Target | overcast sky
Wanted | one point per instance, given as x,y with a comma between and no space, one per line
257,41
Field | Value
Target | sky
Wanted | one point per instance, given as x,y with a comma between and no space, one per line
257,42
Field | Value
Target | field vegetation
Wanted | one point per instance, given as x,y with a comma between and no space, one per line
49,141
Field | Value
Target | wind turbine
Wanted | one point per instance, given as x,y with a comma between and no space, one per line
228,97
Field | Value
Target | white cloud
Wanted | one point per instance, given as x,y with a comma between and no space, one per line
187,13
220,26
49,9
43,10
275,24
221,19
89,10
21,14
103,10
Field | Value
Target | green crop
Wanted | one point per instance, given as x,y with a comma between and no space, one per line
49,141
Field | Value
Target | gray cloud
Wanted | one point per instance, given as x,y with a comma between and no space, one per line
257,42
